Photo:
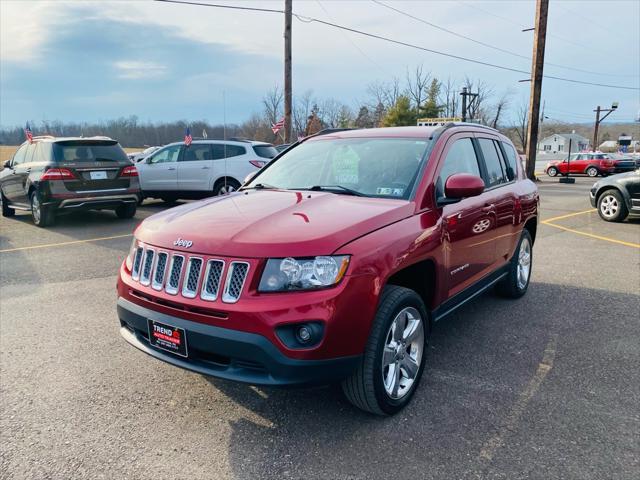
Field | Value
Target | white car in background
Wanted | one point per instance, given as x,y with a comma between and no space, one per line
135,157
203,169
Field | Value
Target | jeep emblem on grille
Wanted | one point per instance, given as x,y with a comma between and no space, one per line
183,243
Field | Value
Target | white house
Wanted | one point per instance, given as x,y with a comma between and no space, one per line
559,142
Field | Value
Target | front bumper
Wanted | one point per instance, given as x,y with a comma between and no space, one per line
230,354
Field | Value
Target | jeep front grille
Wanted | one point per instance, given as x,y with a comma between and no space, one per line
175,272
137,261
189,276
212,277
192,277
145,276
161,267
235,281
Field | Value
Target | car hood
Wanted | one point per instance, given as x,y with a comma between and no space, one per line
271,223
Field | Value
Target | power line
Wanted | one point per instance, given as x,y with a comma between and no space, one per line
522,25
484,44
306,19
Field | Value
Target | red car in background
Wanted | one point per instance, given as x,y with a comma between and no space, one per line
592,164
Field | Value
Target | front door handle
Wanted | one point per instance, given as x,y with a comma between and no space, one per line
489,208
171,168
205,168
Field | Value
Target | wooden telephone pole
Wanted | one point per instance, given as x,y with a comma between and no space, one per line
537,66
288,8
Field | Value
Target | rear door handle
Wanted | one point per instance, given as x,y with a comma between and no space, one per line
171,168
205,168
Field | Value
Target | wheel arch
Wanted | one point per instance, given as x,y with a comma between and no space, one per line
531,225
622,192
594,165
221,178
419,277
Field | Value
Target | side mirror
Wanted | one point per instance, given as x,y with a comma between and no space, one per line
461,185
7,164
249,177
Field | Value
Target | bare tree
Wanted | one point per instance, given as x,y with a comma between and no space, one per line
417,86
272,102
302,107
329,112
385,93
521,125
484,93
494,113
449,98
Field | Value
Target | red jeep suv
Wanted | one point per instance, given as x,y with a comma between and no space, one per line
334,261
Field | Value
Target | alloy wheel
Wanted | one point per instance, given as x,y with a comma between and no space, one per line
524,264
403,350
609,206
592,172
35,208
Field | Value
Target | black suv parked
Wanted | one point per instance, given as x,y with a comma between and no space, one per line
57,175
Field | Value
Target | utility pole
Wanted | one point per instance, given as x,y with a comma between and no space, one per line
467,106
599,120
537,65
288,8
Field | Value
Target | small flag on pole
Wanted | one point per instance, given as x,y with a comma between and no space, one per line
28,133
187,137
204,133
276,127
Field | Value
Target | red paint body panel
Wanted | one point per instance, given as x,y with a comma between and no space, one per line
465,241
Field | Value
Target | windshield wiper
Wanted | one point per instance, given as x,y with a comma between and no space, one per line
335,189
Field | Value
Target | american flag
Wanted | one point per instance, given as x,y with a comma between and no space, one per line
276,127
28,133
187,137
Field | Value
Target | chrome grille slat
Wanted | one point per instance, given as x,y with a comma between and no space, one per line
159,272
192,277
147,266
137,262
175,274
236,276
211,280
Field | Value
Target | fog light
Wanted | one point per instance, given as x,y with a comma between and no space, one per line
304,334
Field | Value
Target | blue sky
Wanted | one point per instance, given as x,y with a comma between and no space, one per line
87,61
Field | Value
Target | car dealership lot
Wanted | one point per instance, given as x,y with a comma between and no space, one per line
542,387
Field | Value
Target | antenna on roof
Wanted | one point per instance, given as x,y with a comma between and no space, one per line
224,135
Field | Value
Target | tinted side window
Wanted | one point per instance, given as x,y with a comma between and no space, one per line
18,158
511,158
461,158
265,151
197,152
219,150
495,175
169,154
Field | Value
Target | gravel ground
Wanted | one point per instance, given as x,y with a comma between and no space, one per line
543,387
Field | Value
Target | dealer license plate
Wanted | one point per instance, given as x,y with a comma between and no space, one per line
168,338
101,175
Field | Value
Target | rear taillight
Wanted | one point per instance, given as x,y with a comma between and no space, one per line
258,163
608,163
58,174
129,171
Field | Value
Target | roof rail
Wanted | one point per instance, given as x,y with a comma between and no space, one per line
41,137
239,139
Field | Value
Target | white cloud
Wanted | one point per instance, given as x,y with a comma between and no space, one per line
133,70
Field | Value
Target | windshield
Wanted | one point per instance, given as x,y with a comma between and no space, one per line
374,167
88,151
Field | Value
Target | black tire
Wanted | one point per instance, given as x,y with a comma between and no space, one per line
127,210
140,198
42,215
611,206
7,211
592,171
365,387
169,200
511,286
222,188
552,171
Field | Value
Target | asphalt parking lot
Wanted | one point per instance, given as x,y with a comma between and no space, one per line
543,387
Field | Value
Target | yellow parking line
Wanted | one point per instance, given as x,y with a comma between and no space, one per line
568,215
591,235
62,244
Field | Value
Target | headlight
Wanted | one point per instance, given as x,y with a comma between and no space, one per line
286,274
132,251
